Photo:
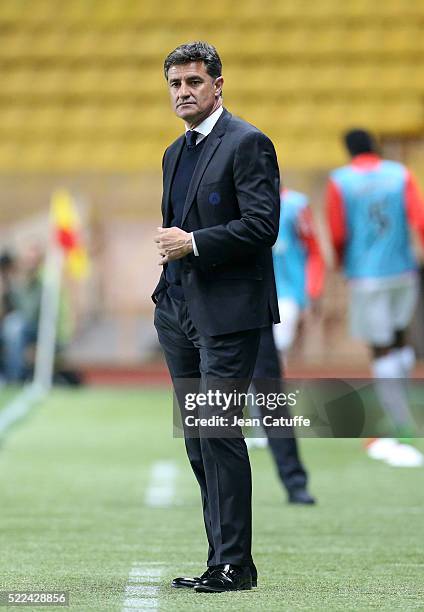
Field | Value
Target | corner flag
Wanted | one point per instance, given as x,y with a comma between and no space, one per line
66,224
64,246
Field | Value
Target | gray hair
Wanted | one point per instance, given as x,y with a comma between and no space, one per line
198,51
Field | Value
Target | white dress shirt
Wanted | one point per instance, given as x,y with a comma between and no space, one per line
204,129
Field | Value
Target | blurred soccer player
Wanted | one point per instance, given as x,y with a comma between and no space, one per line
372,205
299,273
267,378
298,266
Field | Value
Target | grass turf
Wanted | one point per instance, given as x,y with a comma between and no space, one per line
73,478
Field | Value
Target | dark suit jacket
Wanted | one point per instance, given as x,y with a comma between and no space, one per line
233,209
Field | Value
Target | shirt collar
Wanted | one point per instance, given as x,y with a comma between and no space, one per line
365,160
207,125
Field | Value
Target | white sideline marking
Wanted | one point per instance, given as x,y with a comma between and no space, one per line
19,406
140,575
140,605
161,490
145,596
137,571
141,590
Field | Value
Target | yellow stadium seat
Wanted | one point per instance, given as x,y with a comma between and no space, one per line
81,84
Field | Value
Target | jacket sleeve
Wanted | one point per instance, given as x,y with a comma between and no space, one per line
257,184
315,266
414,206
336,220
163,185
161,286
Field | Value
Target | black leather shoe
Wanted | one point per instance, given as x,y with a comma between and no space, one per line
225,578
301,496
189,583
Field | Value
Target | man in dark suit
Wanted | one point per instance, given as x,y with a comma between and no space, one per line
220,212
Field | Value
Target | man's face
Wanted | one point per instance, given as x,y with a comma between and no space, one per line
194,93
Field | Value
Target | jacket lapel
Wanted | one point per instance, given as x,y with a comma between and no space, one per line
168,178
211,145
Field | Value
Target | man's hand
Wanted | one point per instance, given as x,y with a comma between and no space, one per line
173,243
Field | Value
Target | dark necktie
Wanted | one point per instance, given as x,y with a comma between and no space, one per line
191,137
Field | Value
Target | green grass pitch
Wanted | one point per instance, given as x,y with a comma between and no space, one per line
73,480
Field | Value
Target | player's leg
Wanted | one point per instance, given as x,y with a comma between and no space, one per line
375,317
395,453
405,352
13,340
267,378
285,332
393,360
388,372
372,321
404,301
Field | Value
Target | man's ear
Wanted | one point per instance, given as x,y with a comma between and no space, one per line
219,82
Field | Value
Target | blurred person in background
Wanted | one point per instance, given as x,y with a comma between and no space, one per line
299,274
10,318
298,266
372,206
21,330
8,273
267,378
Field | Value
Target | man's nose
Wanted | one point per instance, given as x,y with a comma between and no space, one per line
184,90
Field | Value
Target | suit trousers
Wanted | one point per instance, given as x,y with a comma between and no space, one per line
220,464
